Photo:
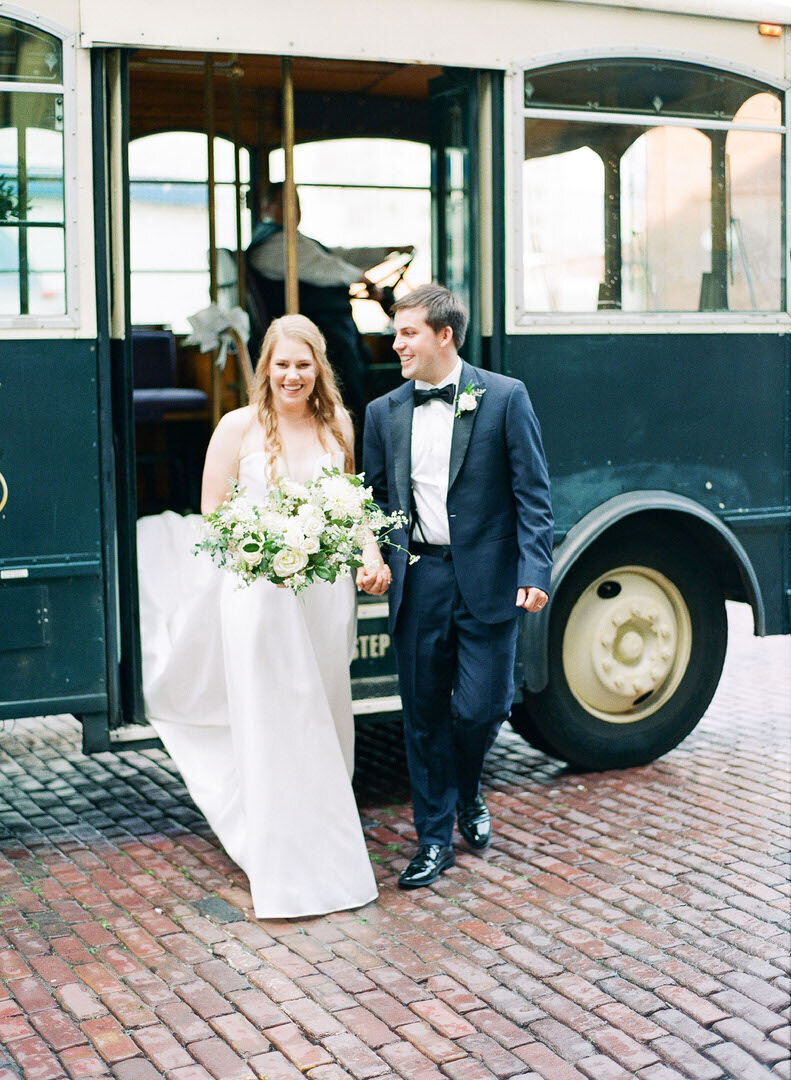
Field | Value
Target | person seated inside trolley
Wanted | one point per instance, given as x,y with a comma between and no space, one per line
324,279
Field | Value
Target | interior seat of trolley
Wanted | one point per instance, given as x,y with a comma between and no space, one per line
362,170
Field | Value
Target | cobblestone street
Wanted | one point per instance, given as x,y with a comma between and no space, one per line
622,924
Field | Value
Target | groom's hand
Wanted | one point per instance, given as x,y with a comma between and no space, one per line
531,599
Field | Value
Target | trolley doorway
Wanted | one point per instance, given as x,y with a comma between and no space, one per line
385,168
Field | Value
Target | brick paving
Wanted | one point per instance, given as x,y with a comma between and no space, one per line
623,924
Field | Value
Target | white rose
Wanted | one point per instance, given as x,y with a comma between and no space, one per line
288,562
310,545
294,535
311,520
467,402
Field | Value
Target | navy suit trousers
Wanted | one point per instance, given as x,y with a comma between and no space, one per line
456,679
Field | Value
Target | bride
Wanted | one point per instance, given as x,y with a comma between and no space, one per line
248,687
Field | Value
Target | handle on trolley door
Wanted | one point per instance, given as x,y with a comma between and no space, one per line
3,491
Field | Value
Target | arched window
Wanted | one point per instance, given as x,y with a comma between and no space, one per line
169,223
33,278
687,201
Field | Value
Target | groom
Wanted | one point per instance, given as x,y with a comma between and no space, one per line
458,450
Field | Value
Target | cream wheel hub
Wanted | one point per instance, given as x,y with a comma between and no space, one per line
632,647
627,644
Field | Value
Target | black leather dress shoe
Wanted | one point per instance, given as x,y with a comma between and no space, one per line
475,822
426,866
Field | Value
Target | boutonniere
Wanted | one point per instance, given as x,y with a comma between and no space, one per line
467,401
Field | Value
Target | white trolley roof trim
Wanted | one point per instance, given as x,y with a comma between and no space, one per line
465,33
777,11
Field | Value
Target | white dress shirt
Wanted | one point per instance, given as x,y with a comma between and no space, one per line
432,430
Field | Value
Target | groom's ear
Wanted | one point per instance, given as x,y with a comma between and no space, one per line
445,336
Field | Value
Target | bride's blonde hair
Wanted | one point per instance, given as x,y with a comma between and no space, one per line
325,399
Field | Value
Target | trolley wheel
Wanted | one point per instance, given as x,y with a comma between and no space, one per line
637,640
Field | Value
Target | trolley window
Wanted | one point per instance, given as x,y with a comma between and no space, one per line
32,214
649,186
169,224
365,193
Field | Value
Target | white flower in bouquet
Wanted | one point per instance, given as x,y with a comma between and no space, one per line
251,553
294,534
288,562
292,489
311,519
273,522
341,499
241,512
300,534
359,533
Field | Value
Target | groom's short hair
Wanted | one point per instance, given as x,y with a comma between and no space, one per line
441,307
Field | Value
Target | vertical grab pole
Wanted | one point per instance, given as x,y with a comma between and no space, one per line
216,387
719,222
236,77
237,73
610,290
289,190
22,189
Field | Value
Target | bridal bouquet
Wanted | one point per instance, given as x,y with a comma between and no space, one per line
300,533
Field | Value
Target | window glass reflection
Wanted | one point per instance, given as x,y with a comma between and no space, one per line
32,204
665,219
28,54
169,224
9,271
633,217
367,161
564,230
375,193
651,87
754,225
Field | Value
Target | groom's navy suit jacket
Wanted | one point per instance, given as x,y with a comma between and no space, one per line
498,502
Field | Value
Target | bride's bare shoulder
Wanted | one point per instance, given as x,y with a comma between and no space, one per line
238,420
233,430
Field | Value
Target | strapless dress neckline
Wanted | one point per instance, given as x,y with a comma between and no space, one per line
251,472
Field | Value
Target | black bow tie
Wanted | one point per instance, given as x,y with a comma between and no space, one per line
437,393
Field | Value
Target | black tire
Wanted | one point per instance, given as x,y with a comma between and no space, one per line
521,720
672,579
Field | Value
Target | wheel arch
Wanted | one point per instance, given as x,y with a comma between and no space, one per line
615,518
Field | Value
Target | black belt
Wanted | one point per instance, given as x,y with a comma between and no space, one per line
438,551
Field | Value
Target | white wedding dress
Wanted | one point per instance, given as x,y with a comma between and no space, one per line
249,690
